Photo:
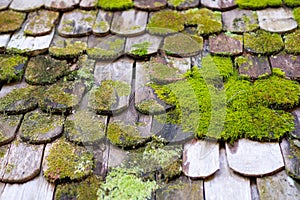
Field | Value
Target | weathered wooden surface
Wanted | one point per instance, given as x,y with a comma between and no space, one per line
225,184
8,127
4,39
223,44
61,5
240,20
219,4
200,158
102,23
290,150
184,5
255,66
77,23
129,23
296,132
22,162
28,5
289,64
278,186
40,22
150,5
88,4
277,20
4,4
33,45
117,156
266,159
36,189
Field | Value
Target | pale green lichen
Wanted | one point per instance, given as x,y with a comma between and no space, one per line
71,50
12,68
11,20
246,22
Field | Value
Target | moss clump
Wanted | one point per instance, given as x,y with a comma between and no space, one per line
140,49
70,51
292,41
104,98
66,161
278,72
123,184
292,3
207,21
45,70
115,4
9,125
124,135
149,106
182,45
11,20
296,13
262,42
86,189
38,127
11,68
166,22
84,127
19,100
254,4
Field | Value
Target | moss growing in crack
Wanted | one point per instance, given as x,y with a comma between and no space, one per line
45,70
123,184
292,41
84,127
149,106
296,13
124,135
292,3
262,42
86,189
115,4
182,45
278,72
11,68
105,96
166,22
207,21
68,162
254,4
11,20
72,50
140,49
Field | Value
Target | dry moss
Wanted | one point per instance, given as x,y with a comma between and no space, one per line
12,68
11,20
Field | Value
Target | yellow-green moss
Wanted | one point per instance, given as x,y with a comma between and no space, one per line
70,51
166,22
292,42
11,68
254,4
140,49
8,124
68,162
177,3
207,21
11,20
296,13
262,42
292,3
84,127
150,106
115,4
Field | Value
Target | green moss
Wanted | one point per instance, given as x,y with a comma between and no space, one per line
254,4
124,135
102,25
84,190
12,68
45,70
292,3
292,41
115,4
278,72
177,3
262,42
84,127
36,125
140,49
8,124
11,20
296,13
166,22
67,161
149,106
182,45
207,21
104,97
247,22
70,51
122,184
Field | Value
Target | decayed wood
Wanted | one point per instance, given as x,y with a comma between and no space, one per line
291,152
3,41
4,4
61,5
102,23
88,4
28,5
8,127
219,4
255,66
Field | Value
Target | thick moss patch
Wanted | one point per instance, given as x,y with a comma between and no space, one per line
292,3
11,68
72,50
11,20
262,42
207,21
166,22
115,4
84,190
104,98
292,41
85,127
182,45
123,184
254,4
150,106
296,13
46,70
66,161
